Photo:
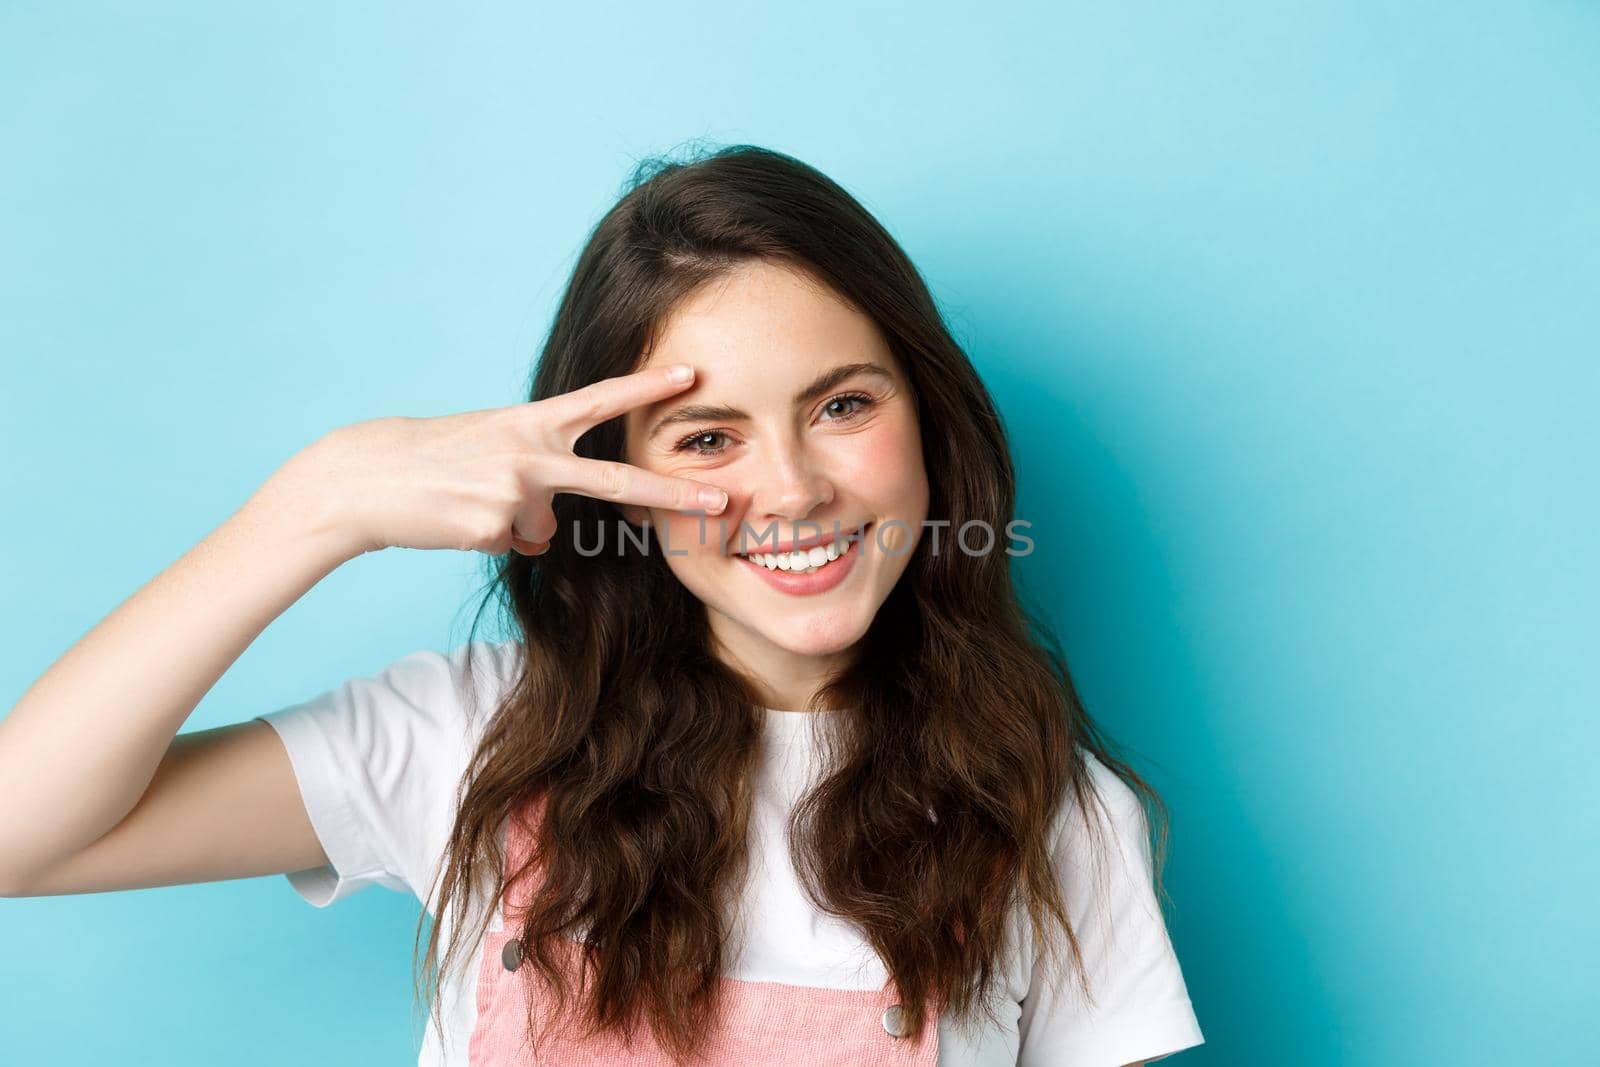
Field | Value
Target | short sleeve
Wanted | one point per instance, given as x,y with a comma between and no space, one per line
1141,1007
378,759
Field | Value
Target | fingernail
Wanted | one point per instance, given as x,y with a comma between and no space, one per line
713,498
680,372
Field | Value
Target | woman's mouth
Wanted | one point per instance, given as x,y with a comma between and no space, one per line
812,570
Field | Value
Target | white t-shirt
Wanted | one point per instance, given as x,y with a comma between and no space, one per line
378,759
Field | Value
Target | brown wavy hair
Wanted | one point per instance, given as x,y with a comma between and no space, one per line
959,734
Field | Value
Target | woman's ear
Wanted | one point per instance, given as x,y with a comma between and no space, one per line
635,514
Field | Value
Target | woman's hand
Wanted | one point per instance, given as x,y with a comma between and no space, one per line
481,480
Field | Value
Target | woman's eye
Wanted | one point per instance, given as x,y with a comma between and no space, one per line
862,400
688,443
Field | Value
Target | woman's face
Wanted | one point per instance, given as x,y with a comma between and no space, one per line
803,443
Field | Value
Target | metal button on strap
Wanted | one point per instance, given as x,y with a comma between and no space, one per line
511,955
895,1021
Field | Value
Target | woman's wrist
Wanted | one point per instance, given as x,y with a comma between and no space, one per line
300,505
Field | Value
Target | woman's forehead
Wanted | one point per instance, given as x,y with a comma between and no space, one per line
759,314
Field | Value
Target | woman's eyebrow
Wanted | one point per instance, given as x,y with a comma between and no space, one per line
825,381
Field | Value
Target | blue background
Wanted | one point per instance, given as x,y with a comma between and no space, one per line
1291,310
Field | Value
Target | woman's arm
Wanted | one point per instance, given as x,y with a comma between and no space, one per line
95,793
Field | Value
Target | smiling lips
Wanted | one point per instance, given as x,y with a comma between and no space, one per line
817,566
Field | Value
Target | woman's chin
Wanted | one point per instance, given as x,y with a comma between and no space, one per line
798,628
824,635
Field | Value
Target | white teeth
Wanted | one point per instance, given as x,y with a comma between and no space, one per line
802,561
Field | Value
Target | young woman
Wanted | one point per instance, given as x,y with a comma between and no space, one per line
782,774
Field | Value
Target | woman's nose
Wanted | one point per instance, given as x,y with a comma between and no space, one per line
789,482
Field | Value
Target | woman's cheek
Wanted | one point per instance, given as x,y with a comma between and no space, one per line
683,533
882,464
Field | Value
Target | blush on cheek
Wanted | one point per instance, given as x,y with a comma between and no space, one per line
880,463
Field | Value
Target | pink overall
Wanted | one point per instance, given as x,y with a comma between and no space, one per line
762,1022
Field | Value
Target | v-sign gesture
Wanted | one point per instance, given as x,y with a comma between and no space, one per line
484,480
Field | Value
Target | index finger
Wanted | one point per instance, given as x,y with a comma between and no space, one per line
609,397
